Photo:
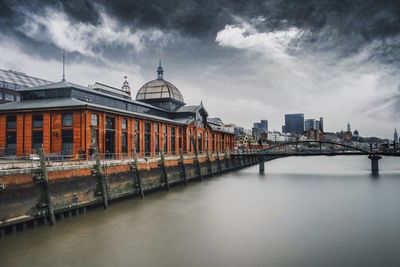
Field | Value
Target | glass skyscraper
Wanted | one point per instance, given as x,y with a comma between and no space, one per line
294,123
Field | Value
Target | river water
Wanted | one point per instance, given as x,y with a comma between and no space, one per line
315,211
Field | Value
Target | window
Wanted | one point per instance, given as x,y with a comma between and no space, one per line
137,136
11,143
37,121
110,123
200,142
124,124
67,142
213,142
156,138
165,139
94,120
206,144
37,139
11,122
190,140
9,97
124,142
180,138
173,140
67,120
147,129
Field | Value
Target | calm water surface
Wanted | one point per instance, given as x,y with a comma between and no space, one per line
322,211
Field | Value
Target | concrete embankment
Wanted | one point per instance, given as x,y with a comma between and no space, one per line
29,198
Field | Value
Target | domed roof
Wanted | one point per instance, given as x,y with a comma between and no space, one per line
159,89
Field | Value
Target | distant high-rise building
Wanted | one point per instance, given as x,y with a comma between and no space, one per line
317,125
294,123
395,136
264,125
321,124
310,124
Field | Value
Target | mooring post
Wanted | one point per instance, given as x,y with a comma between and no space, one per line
219,163
210,171
374,163
262,163
137,183
183,168
163,170
44,179
196,159
227,165
98,171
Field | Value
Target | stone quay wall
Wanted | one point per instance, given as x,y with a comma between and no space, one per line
72,189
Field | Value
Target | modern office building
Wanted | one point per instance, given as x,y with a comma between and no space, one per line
264,125
294,123
60,117
310,124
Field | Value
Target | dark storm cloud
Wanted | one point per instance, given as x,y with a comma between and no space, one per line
347,23
338,41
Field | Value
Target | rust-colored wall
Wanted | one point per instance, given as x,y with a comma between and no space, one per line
52,133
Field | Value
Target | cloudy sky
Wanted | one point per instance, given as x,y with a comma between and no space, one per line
246,60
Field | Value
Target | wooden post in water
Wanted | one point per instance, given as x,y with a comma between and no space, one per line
219,163
228,166
137,183
163,170
98,171
196,159
183,168
44,179
210,171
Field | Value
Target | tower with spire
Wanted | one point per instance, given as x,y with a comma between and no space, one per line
160,71
348,127
395,135
125,86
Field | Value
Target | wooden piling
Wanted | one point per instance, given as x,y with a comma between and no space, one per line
98,171
163,170
210,171
183,168
219,163
137,182
227,164
196,159
44,181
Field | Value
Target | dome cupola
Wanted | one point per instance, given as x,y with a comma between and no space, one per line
161,93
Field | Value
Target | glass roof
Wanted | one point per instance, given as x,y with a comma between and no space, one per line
17,80
159,89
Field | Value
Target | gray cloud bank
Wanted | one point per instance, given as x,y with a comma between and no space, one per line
246,60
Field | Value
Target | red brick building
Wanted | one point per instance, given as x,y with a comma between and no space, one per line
59,117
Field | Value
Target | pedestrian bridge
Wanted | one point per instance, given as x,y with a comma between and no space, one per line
316,148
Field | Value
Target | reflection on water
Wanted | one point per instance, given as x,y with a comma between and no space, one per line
322,211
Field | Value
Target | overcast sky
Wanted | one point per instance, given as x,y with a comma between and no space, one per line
246,60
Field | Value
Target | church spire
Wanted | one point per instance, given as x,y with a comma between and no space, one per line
395,136
160,70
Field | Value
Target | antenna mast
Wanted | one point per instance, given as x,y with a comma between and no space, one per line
63,78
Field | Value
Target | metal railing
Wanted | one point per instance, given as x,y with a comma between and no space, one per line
56,160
